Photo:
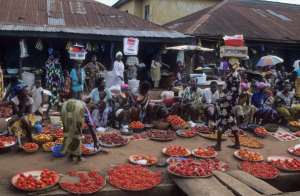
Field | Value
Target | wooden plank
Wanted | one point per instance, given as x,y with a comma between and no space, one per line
255,183
235,185
202,187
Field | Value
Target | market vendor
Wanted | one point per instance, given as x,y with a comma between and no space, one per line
73,118
244,111
10,91
285,103
131,64
77,75
228,99
209,99
192,101
93,70
181,76
118,69
100,103
155,71
22,122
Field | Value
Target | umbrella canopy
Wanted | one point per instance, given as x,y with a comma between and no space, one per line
269,60
190,47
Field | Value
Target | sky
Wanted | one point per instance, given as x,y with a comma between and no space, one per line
111,2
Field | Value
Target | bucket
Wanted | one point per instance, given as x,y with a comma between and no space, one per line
56,151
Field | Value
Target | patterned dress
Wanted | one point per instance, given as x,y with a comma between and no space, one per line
54,80
228,99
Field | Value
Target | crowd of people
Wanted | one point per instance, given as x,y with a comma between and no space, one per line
240,101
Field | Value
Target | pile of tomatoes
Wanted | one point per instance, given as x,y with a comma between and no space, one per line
113,139
204,152
188,133
261,132
260,170
162,134
216,164
176,151
58,133
47,178
287,164
89,182
136,125
30,147
191,168
295,151
297,134
133,177
6,140
175,120
250,155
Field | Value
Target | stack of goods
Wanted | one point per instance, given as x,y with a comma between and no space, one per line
187,133
177,122
133,177
204,152
162,135
112,140
89,182
250,142
261,132
35,180
285,163
248,155
30,147
176,151
42,138
143,160
190,168
260,169
47,147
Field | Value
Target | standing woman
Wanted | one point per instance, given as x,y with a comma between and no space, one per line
297,82
155,71
77,77
54,79
73,118
228,99
118,69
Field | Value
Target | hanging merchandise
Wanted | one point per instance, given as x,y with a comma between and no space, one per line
88,47
23,49
69,45
39,45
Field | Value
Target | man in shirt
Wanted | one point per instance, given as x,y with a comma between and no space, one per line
210,97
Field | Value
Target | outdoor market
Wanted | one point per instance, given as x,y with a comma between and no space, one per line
128,107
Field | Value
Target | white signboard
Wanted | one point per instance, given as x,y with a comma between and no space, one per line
131,46
230,51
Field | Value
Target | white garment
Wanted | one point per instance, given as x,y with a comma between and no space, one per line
119,69
209,97
37,98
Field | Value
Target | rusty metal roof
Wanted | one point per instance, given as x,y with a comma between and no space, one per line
76,16
119,3
255,19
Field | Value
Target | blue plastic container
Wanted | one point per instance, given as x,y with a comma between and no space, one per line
38,128
56,151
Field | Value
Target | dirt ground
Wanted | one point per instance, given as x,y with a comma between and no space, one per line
14,161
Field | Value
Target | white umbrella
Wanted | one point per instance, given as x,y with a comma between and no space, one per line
269,60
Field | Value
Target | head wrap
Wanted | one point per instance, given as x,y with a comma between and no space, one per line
234,62
119,54
261,85
245,86
124,87
20,87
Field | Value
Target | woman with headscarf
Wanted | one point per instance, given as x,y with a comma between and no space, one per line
23,120
74,114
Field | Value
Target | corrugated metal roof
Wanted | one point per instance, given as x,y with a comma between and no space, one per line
256,20
76,16
120,3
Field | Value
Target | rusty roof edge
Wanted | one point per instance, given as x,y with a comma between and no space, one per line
94,31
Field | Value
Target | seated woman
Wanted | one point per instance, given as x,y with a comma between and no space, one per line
266,113
21,124
244,111
100,103
284,103
74,114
